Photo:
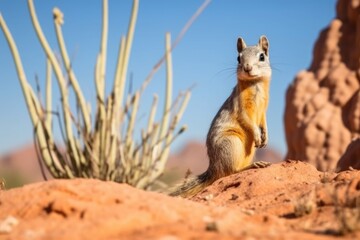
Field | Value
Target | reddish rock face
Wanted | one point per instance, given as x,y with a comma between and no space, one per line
322,113
351,157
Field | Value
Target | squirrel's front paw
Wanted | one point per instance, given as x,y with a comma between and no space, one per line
258,138
264,138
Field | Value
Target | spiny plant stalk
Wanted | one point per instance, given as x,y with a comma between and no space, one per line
106,147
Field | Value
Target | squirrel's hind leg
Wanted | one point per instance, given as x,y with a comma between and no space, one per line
227,155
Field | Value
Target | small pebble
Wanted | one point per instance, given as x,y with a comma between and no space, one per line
6,226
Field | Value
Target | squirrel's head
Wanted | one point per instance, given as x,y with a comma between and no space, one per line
253,61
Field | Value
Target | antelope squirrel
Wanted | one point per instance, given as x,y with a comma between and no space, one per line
240,125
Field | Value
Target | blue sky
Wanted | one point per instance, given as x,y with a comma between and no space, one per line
205,57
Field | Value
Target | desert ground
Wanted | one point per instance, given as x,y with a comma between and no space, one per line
288,200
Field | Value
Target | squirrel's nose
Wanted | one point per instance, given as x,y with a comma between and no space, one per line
247,68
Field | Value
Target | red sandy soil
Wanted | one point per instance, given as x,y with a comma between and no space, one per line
288,200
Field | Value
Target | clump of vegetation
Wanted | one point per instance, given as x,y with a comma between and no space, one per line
11,179
305,205
2,184
348,212
103,148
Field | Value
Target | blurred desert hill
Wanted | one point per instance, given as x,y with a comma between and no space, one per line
21,165
193,156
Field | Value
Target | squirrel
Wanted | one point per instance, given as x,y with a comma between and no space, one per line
240,125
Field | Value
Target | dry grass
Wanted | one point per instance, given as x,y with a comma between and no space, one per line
102,146
2,184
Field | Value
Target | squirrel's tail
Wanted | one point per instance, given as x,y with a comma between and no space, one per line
193,185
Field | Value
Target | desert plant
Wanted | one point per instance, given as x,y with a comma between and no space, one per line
347,212
11,179
305,204
106,147
2,184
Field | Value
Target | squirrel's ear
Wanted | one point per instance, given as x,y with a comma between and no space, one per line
241,45
264,44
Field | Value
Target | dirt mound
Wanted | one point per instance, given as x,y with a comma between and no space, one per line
284,201
306,199
322,113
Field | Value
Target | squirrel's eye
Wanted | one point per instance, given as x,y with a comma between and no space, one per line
261,57
238,59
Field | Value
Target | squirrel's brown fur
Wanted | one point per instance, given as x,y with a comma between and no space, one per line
240,124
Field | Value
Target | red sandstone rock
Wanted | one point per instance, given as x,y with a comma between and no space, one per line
351,157
322,113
